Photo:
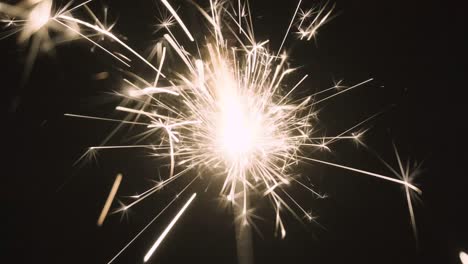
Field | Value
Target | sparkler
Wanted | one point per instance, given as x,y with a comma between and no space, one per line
229,112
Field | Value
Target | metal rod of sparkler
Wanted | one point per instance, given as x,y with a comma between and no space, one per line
243,238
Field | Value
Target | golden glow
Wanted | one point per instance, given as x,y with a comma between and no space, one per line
463,257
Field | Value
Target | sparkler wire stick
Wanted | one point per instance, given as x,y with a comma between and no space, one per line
243,238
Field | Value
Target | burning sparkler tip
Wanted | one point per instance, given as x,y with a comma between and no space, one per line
463,257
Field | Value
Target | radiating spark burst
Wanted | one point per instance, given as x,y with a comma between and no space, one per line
229,112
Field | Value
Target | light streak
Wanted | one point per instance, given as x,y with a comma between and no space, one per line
404,183
406,174
289,28
176,16
109,200
107,119
168,228
343,91
150,223
110,35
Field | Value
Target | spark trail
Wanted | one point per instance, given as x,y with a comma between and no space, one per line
109,200
168,228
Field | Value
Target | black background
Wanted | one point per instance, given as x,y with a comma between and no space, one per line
413,49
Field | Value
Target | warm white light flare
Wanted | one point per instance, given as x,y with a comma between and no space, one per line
463,257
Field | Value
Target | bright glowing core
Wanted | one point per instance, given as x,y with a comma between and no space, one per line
238,133
40,15
237,128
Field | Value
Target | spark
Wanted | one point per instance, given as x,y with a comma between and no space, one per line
165,23
151,90
317,17
402,182
107,33
168,228
289,27
406,174
146,226
121,147
106,119
109,200
176,16
343,91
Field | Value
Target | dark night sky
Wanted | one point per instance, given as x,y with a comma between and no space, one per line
413,49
